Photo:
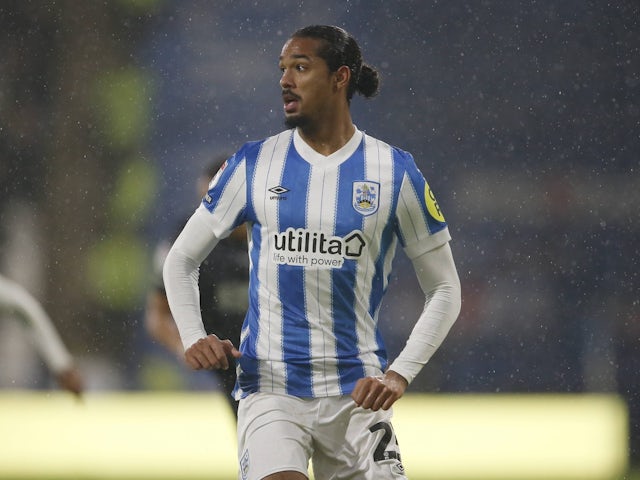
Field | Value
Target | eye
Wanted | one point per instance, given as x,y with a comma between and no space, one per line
301,68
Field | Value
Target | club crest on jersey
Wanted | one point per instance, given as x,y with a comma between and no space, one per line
365,197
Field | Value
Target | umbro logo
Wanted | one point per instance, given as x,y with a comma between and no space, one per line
278,192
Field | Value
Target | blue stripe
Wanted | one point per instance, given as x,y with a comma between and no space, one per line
248,362
350,367
211,199
251,152
249,381
291,284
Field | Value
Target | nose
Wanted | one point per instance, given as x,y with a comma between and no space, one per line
285,79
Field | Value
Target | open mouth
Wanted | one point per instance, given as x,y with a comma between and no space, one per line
291,102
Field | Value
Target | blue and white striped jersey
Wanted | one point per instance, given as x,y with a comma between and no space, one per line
322,235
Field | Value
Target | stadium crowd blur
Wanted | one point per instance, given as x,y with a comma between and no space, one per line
524,116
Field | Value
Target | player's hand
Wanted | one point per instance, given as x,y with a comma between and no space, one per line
211,353
380,391
71,380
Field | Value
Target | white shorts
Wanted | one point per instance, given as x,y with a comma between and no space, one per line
279,432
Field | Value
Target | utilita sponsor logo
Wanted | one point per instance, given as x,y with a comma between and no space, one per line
308,248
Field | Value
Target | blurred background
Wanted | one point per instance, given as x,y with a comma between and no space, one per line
524,117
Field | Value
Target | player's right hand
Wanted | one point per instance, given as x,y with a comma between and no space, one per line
211,353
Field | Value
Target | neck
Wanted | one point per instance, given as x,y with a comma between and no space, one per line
329,137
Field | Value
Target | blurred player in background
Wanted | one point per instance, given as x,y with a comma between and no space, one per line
325,205
223,284
17,302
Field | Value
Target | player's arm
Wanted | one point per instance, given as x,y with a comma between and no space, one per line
438,278
45,336
159,322
180,273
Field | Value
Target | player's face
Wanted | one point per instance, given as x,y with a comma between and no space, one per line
307,84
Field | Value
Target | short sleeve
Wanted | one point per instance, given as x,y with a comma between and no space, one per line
421,226
226,198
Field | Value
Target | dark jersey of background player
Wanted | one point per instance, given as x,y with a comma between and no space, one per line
223,285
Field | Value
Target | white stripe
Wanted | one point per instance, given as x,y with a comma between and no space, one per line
386,202
321,216
412,222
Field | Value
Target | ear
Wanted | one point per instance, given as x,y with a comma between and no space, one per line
342,76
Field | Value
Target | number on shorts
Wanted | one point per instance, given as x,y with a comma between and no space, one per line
381,452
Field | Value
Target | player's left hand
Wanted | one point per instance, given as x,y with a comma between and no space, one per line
380,391
71,380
